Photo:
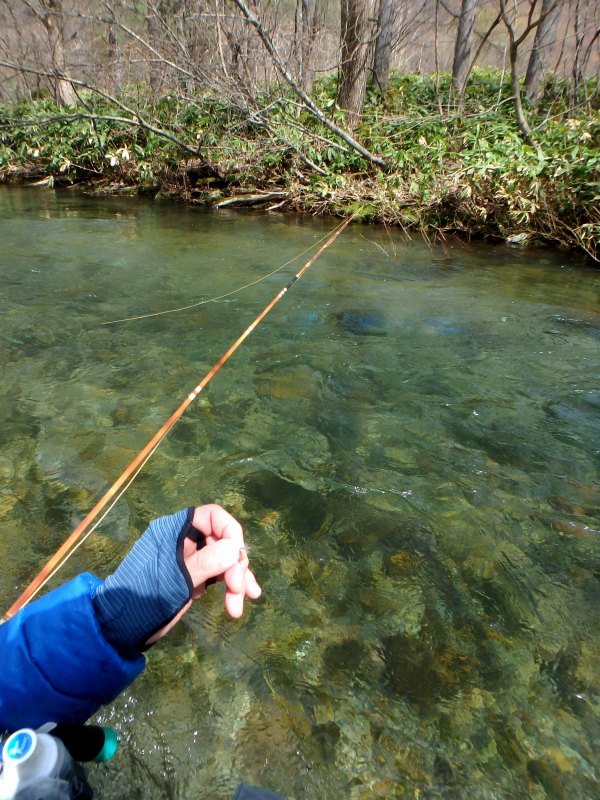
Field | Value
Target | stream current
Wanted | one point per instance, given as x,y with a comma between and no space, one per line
411,442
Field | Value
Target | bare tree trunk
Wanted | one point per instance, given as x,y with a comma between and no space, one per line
9,19
51,17
357,38
114,61
113,57
153,25
579,37
540,54
383,44
583,59
462,51
198,45
299,91
307,38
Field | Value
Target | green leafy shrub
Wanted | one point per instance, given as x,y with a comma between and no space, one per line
448,166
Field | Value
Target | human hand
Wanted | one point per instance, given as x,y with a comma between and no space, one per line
223,556
166,569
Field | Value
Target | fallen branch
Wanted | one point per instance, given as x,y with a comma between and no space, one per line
244,200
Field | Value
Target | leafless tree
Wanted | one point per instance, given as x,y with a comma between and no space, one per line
515,41
306,30
153,17
358,28
484,40
50,14
586,24
383,44
182,46
545,37
462,51
301,94
193,49
113,54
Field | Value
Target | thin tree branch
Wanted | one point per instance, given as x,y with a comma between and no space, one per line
306,99
136,117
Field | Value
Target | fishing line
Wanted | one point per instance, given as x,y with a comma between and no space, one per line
62,559
124,481
221,296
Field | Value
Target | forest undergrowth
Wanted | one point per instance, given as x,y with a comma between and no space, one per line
450,167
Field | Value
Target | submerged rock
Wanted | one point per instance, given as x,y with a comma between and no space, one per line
423,672
445,326
302,511
362,323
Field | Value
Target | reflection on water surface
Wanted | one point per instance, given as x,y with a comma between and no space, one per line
411,441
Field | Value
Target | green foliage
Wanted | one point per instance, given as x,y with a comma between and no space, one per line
79,147
467,167
449,166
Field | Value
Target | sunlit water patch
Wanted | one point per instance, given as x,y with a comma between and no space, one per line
411,442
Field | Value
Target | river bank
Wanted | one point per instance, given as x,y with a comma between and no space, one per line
449,169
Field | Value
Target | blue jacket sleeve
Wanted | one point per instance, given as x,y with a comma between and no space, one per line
56,664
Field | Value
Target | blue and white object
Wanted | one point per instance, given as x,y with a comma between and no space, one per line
30,758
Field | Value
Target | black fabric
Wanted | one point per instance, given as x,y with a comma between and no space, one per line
83,742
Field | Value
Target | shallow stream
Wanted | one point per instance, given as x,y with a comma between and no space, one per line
411,441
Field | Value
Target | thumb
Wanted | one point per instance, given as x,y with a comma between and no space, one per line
212,560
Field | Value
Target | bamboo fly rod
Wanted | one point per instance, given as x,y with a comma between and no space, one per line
120,486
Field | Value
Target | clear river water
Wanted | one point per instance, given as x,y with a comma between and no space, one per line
411,441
